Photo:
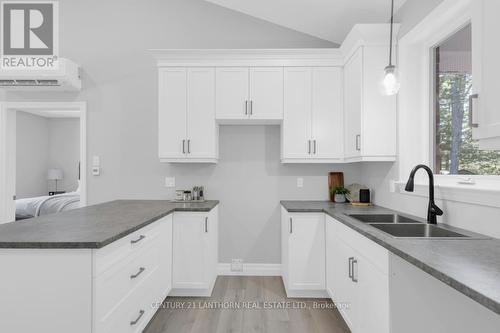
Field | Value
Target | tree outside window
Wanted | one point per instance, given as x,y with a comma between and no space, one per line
456,153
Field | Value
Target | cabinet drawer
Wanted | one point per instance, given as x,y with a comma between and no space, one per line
125,247
373,252
116,283
134,312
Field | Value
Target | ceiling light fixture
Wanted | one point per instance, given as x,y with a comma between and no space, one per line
390,82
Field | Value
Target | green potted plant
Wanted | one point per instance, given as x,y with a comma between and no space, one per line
339,194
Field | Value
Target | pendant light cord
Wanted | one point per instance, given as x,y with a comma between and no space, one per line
390,41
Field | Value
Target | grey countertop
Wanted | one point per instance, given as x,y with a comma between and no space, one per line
91,227
471,266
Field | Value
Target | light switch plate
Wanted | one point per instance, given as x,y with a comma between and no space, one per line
300,182
96,171
96,160
169,181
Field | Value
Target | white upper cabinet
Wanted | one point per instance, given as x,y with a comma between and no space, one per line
485,73
327,115
172,113
201,127
249,93
370,116
312,126
327,101
232,93
296,129
353,73
266,93
187,128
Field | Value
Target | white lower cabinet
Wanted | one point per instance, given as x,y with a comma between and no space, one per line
357,278
195,253
422,303
303,254
130,276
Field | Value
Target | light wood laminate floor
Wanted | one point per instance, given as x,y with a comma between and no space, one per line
251,295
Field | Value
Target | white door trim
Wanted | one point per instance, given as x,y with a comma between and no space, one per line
70,109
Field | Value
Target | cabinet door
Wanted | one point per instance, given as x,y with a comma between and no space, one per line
340,284
201,126
232,92
266,93
373,288
296,129
327,119
306,248
285,231
167,246
212,231
172,112
378,134
190,251
486,69
353,104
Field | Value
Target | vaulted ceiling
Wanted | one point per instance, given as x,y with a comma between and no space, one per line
327,19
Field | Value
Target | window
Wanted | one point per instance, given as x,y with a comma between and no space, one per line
455,152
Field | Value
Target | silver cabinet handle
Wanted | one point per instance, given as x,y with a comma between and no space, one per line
141,237
314,145
358,142
472,124
309,147
133,322
189,146
246,107
183,146
350,267
141,270
206,224
291,225
354,276
251,107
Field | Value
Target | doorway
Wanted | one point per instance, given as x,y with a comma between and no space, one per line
15,121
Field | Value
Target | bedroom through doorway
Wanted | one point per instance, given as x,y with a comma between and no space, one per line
42,158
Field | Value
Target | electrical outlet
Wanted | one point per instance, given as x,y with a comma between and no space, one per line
300,182
237,265
169,181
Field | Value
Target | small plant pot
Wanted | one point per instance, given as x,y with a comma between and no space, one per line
340,198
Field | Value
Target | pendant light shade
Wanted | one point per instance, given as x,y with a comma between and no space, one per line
390,82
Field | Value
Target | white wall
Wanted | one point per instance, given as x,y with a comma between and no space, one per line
250,181
32,151
110,40
64,151
412,12
43,143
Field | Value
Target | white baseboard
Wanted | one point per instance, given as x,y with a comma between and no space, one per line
251,269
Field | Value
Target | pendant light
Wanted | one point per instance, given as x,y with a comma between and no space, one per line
390,82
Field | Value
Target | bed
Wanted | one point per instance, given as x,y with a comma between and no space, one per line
33,207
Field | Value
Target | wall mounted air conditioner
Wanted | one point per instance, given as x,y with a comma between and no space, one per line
65,78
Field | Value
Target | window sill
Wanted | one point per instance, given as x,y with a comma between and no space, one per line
484,192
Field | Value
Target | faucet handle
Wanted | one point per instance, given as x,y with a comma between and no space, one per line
436,210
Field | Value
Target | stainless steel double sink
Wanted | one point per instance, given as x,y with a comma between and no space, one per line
400,226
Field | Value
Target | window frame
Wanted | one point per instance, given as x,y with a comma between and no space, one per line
434,107
416,122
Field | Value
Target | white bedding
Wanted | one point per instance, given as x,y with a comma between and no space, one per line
32,207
